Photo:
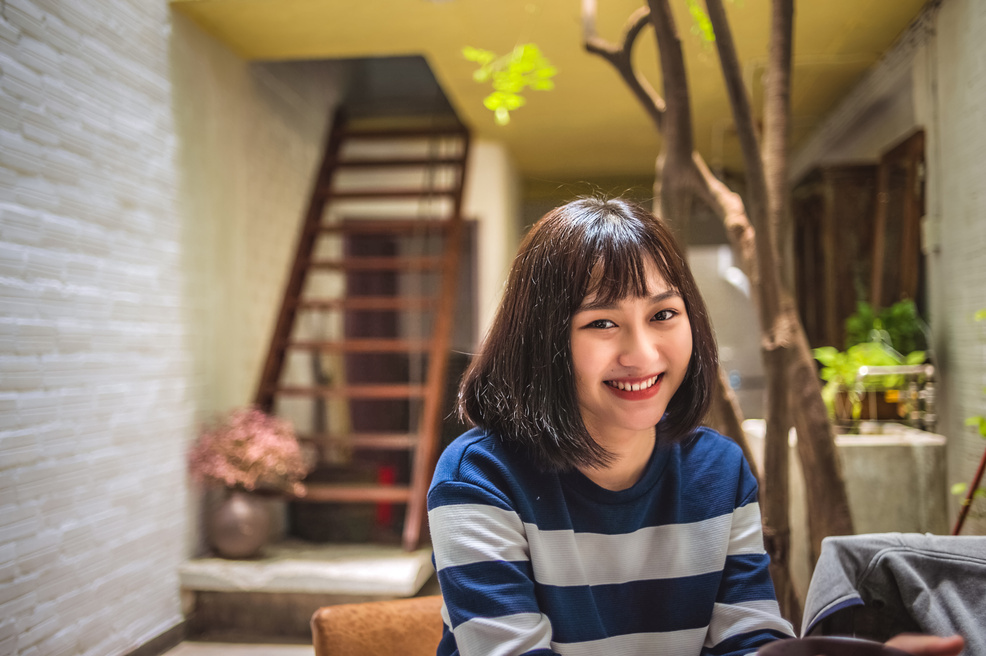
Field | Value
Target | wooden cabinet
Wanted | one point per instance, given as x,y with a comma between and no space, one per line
833,209
857,234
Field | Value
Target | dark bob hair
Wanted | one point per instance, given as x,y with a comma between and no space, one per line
521,385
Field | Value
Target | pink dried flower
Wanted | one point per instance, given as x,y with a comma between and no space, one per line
250,449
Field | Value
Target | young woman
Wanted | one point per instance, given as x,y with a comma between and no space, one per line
588,513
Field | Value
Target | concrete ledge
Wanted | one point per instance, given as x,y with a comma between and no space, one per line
275,596
300,567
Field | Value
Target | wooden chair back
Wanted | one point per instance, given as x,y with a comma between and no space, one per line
404,627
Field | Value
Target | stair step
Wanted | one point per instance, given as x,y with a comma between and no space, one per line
388,226
399,162
370,303
382,441
322,492
379,264
351,194
363,345
379,391
401,133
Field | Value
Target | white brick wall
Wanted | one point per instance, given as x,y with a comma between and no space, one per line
93,378
150,184
957,59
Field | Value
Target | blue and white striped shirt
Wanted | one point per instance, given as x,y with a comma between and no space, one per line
541,563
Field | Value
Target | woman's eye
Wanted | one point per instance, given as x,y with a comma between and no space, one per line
601,323
665,315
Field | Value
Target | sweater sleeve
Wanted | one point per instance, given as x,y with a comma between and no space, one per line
746,614
484,569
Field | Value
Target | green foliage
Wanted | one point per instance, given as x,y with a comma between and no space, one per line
701,25
899,326
840,370
523,67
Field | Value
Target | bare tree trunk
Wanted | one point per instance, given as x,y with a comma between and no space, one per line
767,172
793,387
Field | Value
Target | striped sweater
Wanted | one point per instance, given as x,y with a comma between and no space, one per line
550,563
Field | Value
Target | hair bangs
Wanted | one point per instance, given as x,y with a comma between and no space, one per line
620,269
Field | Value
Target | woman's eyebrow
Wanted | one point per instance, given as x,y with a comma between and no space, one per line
600,305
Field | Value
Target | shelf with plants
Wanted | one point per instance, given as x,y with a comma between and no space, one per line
884,374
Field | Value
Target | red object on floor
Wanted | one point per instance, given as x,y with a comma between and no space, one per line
386,475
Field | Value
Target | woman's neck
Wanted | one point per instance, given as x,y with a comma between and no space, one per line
629,459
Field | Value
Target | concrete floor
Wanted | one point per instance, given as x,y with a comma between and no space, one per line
232,649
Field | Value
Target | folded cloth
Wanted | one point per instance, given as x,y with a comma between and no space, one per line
876,586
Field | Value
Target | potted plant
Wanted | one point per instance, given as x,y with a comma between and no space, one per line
246,451
845,388
873,339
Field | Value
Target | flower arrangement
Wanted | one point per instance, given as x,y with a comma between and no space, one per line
250,449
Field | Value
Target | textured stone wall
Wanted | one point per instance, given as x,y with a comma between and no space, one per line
95,391
151,184
955,82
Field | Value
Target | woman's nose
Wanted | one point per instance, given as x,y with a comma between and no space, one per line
638,349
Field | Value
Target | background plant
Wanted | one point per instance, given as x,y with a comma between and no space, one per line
523,67
900,326
250,449
840,371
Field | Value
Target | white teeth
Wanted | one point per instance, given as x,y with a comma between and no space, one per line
634,387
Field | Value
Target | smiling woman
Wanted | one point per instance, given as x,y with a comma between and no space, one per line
629,357
588,512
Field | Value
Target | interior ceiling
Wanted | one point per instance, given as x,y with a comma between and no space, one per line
589,125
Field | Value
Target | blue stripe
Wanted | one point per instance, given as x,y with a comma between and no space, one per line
451,493
698,466
596,612
487,590
746,578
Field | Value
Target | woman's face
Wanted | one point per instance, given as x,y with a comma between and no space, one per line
629,358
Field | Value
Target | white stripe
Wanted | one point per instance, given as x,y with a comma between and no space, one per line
672,643
746,535
482,533
503,636
657,552
734,619
476,533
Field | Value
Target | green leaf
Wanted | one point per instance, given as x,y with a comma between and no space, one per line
915,357
524,67
979,422
980,493
826,355
701,25
959,488
980,315
478,55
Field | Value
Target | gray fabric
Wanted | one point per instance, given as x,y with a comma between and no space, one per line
876,586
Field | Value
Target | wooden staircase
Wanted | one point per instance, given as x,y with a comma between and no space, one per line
371,292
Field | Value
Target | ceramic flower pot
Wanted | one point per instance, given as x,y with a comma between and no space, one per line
239,525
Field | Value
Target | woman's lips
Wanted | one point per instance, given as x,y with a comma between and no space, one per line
635,389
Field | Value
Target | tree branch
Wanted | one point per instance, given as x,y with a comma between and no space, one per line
739,100
777,112
678,137
620,57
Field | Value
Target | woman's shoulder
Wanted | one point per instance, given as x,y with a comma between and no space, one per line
480,458
706,442
708,454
